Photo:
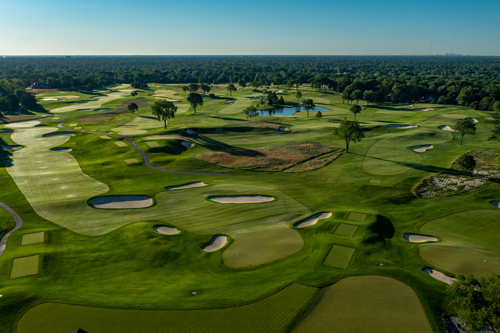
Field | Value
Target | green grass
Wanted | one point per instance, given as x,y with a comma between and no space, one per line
272,314
339,256
24,266
367,304
237,106
263,247
347,230
34,238
6,222
99,102
358,217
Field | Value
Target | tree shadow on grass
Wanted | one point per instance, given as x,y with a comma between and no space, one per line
379,231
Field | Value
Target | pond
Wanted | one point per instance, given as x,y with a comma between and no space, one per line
289,111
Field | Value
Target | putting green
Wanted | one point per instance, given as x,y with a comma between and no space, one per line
93,104
367,304
237,106
272,314
60,190
24,266
262,247
339,256
33,238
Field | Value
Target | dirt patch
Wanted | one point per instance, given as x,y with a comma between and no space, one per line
271,158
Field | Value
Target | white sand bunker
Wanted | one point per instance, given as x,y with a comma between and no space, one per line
414,238
185,186
216,243
421,149
23,124
439,276
402,126
190,131
11,147
58,133
63,149
313,220
422,110
284,129
164,230
187,144
122,201
496,204
472,120
242,199
121,126
446,128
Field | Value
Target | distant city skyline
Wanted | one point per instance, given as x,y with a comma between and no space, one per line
152,27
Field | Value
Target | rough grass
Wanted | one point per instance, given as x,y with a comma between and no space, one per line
24,266
275,158
272,314
6,222
263,247
339,256
367,304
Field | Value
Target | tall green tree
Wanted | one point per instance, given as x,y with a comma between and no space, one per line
495,133
195,100
308,105
164,110
132,107
466,163
357,95
477,301
90,87
193,87
369,96
349,131
231,88
464,126
28,101
206,88
355,109
242,83
185,88
298,95
133,93
319,115
251,112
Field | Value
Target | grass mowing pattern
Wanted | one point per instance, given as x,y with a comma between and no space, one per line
458,260
94,104
372,304
60,191
24,266
347,230
339,256
358,217
237,106
272,314
33,238
262,247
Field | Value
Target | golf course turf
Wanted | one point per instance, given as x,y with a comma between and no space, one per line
74,265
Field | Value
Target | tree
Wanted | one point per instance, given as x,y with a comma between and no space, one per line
496,107
477,301
495,133
465,96
369,96
357,95
28,101
193,87
464,127
466,163
132,107
355,109
242,83
441,100
298,94
206,88
297,83
90,87
13,102
231,88
290,83
343,97
195,100
282,101
349,131
164,110
307,105
319,115
251,112
133,93
185,88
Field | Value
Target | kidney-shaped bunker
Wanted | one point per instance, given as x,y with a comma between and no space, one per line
122,201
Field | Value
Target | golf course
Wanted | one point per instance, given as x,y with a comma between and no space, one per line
219,220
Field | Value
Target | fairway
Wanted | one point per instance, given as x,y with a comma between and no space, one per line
262,247
339,256
237,106
33,238
272,314
24,266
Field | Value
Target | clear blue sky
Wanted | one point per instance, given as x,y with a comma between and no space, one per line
324,27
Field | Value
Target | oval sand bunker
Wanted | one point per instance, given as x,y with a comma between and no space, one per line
446,128
496,204
242,199
122,201
402,126
284,129
414,238
439,276
313,220
164,230
421,149
472,120
185,186
215,244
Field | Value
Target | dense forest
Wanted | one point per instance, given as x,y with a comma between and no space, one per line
470,81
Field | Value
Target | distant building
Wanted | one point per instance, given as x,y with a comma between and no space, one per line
40,85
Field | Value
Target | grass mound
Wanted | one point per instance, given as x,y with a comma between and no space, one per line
289,157
453,181
367,304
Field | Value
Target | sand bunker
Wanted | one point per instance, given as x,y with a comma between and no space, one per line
23,124
11,147
191,132
242,199
496,204
472,120
121,126
122,201
414,238
216,243
58,133
105,137
446,128
164,230
132,132
421,149
187,144
421,110
313,220
185,186
402,126
439,276
284,129
63,149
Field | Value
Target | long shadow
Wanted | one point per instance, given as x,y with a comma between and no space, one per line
5,156
215,145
